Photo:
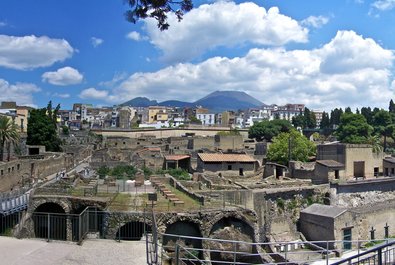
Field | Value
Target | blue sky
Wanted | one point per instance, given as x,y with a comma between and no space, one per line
325,54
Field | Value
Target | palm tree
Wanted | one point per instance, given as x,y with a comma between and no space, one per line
8,133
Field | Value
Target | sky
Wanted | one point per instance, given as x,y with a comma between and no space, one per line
325,54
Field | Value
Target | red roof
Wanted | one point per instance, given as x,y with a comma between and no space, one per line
177,157
225,157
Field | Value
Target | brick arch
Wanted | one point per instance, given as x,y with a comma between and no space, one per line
116,221
229,215
64,204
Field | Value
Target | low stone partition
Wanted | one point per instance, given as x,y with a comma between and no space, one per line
175,183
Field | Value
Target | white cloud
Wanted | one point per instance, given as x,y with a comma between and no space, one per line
63,77
93,93
315,21
335,75
21,93
348,52
118,77
134,35
223,24
2,24
384,5
96,41
61,95
30,52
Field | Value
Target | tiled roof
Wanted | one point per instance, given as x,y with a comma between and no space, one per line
225,157
330,163
176,157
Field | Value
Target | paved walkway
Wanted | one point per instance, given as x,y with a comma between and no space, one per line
92,252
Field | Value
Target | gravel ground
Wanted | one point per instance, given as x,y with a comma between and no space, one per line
93,251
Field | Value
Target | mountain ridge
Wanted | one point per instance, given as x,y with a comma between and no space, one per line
216,101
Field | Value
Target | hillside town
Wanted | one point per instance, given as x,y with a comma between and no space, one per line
197,132
279,179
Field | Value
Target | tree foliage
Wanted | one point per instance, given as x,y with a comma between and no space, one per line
299,146
8,134
325,121
353,129
305,120
157,9
268,129
42,129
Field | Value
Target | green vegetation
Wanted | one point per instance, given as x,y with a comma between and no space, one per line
119,172
353,129
373,243
8,134
42,129
268,129
179,173
305,120
292,146
157,9
65,130
194,120
280,203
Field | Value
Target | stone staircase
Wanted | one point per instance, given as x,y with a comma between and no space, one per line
168,194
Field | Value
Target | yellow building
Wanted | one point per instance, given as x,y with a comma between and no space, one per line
157,114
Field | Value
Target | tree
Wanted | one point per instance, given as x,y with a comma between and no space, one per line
325,121
8,134
367,113
382,124
290,146
157,9
268,129
391,107
335,117
309,117
42,129
348,110
353,129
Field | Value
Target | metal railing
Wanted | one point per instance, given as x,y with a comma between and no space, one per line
152,242
384,253
219,251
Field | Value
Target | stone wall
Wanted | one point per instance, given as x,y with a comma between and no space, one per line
15,172
359,193
168,132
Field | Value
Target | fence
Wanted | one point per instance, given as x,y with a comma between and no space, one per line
14,201
212,251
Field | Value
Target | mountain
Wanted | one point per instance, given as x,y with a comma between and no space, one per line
217,101
175,103
140,102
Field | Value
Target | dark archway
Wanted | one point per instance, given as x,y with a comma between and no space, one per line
8,222
187,229
50,221
232,229
132,231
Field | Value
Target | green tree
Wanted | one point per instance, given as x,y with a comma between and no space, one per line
335,117
42,129
382,124
367,113
391,107
291,145
325,121
309,117
348,110
8,134
157,9
353,129
268,129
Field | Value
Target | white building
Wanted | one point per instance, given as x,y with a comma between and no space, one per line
206,119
